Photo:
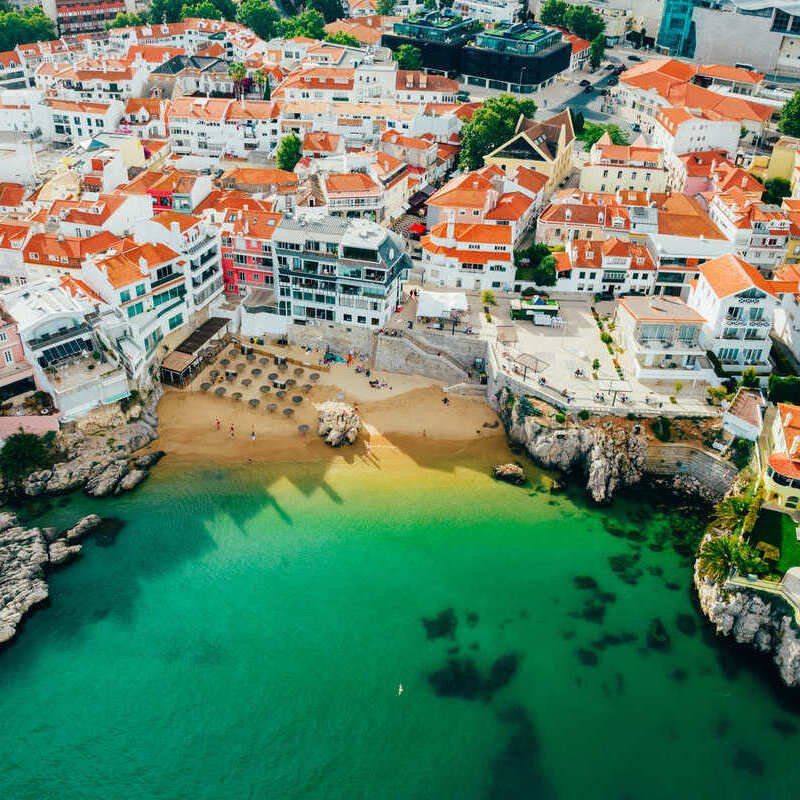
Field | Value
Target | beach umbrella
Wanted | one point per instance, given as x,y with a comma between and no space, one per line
280,394
214,373
233,352
299,371
254,402
246,381
265,389
251,357
263,361
204,387
273,376
287,412
272,407
240,365
291,382
314,376
304,429
219,392
297,399
255,371
237,395
225,362
307,387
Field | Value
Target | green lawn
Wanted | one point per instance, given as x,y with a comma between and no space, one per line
775,528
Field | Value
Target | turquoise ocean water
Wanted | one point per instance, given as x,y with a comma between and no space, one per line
244,634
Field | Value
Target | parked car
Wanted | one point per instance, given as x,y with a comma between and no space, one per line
613,80
588,90
584,82
636,127
604,92
634,58
609,66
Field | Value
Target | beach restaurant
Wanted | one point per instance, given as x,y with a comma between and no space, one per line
186,360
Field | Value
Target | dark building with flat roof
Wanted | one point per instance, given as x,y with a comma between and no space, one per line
517,57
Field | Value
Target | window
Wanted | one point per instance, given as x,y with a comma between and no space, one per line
3,337
124,296
175,321
135,309
8,357
140,290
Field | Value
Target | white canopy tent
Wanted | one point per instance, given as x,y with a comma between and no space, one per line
441,305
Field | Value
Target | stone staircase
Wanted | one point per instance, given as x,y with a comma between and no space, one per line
674,459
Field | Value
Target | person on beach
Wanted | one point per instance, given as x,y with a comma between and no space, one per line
253,435
232,430
217,423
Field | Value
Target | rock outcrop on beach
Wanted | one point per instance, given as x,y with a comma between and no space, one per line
339,423
26,555
607,456
510,473
758,620
97,453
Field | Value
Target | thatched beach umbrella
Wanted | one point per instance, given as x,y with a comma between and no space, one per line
304,429
225,362
298,371
273,376
204,387
240,366
233,352
220,391
251,357
263,361
291,382
255,371
280,394
307,387
297,399
265,389
246,381
287,412
272,407
314,376
254,403
214,373
237,395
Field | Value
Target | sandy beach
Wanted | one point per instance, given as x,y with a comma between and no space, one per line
407,413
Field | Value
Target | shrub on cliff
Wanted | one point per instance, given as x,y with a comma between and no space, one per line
784,390
21,454
721,554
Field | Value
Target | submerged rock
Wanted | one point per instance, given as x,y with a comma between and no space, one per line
510,473
339,423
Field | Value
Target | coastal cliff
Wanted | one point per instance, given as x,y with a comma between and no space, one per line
97,452
751,618
606,455
26,556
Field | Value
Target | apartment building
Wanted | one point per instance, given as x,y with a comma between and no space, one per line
13,236
93,80
73,120
612,167
115,213
782,476
738,305
16,372
466,255
246,246
198,244
679,130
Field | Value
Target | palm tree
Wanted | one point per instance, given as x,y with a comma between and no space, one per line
730,512
259,79
718,556
237,72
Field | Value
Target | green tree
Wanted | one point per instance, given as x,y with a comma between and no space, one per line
719,555
429,5
21,27
597,50
592,132
260,16
584,22
553,12
205,9
289,152
123,20
331,10
595,364
165,11
730,512
492,124
775,189
790,116
408,57
545,273
488,298
385,8
578,121
21,454
307,23
345,39
237,72
750,379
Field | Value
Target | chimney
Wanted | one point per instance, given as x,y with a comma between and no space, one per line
143,265
795,445
451,225
568,214
175,228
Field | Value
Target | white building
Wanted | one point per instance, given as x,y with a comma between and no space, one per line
738,304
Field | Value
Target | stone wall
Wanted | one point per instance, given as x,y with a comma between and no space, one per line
462,348
681,459
339,338
403,355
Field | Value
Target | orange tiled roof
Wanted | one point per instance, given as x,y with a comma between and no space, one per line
729,274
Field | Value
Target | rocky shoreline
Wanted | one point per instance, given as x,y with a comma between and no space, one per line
97,453
27,555
755,619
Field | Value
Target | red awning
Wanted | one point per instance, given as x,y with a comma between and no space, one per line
417,227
